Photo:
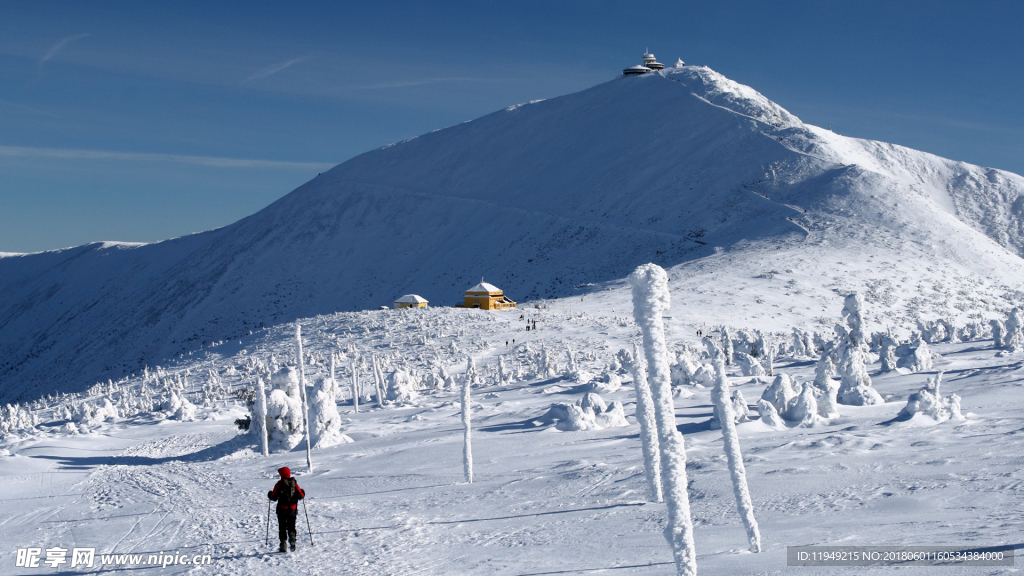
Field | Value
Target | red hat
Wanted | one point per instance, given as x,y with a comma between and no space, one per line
284,472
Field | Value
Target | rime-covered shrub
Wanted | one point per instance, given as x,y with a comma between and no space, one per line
324,420
749,366
915,356
855,385
178,407
740,411
606,384
930,402
284,417
769,415
683,370
779,393
1013,339
401,388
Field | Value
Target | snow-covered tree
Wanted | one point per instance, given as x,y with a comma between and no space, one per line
684,369
749,366
887,352
400,388
855,385
467,441
824,370
645,418
324,418
804,408
355,385
650,300
302,394
853,313
997,332
1013,340
930,402
727,348
258,419
737,472
780,393
284,411
179,408
769,415
766,353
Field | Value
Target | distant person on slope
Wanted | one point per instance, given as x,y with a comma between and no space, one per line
287,494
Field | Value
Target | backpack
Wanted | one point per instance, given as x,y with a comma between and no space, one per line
289,494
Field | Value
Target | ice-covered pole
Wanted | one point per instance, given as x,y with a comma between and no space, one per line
355,385
650,301
720,397
261,415
302,390
378,381
467,445
648,425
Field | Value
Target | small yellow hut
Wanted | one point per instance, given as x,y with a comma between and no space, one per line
487,297
411,301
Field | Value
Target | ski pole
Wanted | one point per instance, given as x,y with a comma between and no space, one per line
310,531
269,505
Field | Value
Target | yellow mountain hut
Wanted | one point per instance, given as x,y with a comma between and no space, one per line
487,297
411,301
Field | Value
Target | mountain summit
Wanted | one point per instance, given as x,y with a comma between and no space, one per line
681,166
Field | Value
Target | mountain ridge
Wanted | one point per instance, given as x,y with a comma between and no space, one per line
674,167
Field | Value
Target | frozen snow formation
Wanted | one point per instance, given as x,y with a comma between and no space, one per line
608,383
284,411
807,405
401,388
915,356
588,413
930,402
91,415
855,385
324,420
727,419
648,423
651,299
749,366
178,407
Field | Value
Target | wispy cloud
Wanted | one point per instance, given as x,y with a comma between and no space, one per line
271,70
425,81
70,154
56,48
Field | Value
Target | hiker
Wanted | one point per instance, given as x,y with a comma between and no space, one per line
287,494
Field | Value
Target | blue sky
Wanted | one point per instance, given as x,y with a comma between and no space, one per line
139,121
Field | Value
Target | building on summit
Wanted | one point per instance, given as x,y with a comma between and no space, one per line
487,297
650,64
411,301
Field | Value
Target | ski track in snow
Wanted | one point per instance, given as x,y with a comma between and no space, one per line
542,501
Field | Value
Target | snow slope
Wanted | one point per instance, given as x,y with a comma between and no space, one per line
543,501
684,168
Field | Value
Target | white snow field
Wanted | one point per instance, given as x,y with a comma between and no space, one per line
763,225
683,168
542,501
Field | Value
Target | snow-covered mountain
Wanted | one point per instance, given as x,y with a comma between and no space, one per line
682,167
